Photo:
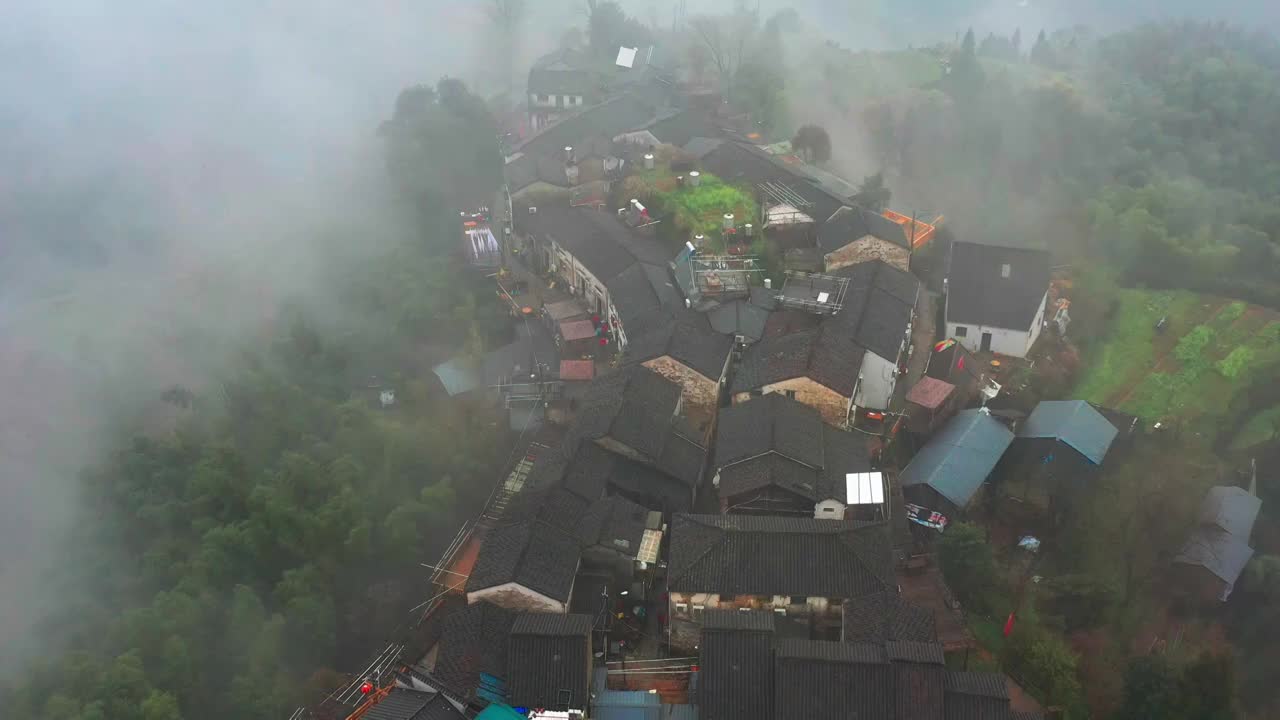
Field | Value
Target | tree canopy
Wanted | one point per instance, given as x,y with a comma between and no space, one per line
230,558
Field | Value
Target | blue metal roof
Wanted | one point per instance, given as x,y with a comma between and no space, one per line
1075,423
957,460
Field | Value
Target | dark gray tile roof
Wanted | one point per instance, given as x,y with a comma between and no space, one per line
532,553
826,355
753,620
957,460
403,704
736,665
564,72
552,624
645,296
769,471
682,457
595,238
886,616
699,147
523,171
552,505
1074,422
925,653
820,680
607,119
681,127
474,640
878,306
749,555
993,685
773,423
774,440
548,659
634,406
977,293
848,224
613,522
739,317
693,344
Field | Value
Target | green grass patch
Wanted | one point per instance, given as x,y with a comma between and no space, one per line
989,634
698,209
1129,346
1262,427
1212,353
1236,362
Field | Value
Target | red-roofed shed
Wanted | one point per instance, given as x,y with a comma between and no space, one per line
929,403
577,369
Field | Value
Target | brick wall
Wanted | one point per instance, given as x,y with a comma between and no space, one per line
866,249
701,394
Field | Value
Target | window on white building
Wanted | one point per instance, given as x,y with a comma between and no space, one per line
962,331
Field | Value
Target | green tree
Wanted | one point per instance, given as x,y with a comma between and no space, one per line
1150,690
160,706
812,143
872,193
758,86
1042,53
968,565
1206,690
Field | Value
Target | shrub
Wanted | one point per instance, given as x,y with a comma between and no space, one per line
1235,363
1191,347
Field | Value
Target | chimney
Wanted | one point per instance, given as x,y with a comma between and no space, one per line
768,284
568,154
1006,270
694,178
679,181
749,230
533,210
648,161
728,221
571,174
697,239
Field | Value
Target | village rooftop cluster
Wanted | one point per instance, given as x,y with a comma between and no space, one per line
740,436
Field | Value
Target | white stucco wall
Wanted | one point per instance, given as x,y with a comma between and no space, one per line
514,596
1016,343
828,510
879,377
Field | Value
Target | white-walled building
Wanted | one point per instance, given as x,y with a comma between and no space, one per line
996,297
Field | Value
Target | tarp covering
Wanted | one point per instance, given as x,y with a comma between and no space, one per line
930,393
577,369
577,330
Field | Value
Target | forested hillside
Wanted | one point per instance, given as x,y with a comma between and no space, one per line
219,570
1147,149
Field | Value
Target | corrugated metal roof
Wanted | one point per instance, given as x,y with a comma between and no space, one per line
957,460
1075,423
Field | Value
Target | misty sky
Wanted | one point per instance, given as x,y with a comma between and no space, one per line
144,143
